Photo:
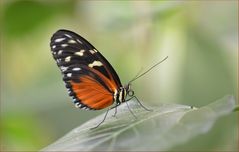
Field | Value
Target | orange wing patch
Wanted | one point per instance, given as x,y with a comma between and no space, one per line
92,93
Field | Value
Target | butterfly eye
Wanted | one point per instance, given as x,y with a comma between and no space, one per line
131,93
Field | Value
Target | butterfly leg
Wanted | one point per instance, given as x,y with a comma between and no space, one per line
129,107
107,114
102,120
129,98
114,115
130,110
141,104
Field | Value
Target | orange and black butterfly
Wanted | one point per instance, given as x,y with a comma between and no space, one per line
89,78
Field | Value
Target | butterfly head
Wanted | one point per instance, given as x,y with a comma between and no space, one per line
129,91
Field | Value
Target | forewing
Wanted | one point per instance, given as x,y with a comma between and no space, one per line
67,45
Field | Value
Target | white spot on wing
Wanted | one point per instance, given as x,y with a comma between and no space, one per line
75,100
58,60
85,108
67,59
71,41
69,74
53,46
59,52
76,69
92,51
80,53
95,50
79,41
64,45
59,39
78,105
67,35
63,68
95,63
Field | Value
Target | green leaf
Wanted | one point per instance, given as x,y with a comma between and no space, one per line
22,17
166,126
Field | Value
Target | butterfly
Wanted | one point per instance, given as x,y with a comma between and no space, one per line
90,79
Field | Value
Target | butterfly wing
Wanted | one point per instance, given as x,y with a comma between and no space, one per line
89,77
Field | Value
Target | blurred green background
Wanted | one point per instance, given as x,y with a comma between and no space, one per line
200,38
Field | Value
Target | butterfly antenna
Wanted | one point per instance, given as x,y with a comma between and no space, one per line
138,76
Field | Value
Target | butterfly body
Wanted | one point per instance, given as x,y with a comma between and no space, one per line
90,80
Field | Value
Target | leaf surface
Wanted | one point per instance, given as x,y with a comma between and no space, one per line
161,129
